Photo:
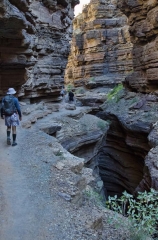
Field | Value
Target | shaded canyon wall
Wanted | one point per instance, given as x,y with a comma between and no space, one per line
34,46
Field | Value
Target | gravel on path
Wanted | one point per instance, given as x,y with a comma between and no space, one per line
30,205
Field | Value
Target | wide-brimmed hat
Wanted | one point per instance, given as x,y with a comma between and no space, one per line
11,91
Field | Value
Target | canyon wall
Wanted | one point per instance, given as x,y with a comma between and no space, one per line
128,156
143,27
100,47
34,46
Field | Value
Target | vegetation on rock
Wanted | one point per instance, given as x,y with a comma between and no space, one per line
113,95
142,212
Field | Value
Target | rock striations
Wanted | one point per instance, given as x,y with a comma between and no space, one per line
34,45
100,48
143,27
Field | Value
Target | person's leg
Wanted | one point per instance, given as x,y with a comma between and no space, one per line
14,135
8,125
8,135
14,124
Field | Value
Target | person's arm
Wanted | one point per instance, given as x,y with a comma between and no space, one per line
2,113
16,102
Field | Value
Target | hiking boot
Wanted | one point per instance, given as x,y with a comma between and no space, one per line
14,144
8,141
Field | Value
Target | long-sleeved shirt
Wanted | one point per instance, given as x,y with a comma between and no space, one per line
16,103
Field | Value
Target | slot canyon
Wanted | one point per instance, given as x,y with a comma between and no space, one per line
107,56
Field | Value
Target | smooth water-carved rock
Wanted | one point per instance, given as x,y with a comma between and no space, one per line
100,48
81,136
34,46
128,155
143,27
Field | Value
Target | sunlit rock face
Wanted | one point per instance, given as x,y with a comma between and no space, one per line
143,27
100,47
34,46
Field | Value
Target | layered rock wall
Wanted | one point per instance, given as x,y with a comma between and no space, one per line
143,27
128,156
34,37
100,48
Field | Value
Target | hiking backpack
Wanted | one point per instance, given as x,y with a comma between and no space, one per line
8,105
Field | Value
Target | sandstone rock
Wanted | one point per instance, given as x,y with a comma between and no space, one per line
143,30
22,103
100,48
50,128
82,136
75,165
127,157
88,174
70,107
59,165
26,124
34,46
95,220
67,197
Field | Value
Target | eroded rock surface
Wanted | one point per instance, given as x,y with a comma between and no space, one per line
128,155
34,46
143,27
100,48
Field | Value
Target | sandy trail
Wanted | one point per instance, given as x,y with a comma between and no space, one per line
30,207
16,210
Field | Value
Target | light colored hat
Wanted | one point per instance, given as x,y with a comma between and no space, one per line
11,91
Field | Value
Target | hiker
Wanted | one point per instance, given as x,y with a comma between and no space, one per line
12,112
63,92
71,96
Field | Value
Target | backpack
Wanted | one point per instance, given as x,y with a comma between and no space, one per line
8,105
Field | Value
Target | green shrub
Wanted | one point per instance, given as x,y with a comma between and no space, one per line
113,95
69,87
102,125
142,211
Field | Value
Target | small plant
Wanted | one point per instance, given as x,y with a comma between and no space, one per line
59,153
92,79
102,125
94,197
69,87
142,212
113,95
131,71
80,90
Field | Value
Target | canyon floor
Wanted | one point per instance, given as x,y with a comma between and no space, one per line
33,205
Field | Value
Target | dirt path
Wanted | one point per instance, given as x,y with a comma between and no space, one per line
28,209
18,214
30,206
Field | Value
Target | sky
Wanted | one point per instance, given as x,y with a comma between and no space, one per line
78,8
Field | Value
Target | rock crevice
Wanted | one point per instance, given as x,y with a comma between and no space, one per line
127,159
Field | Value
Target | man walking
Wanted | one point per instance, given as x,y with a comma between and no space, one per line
11,109
71,96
